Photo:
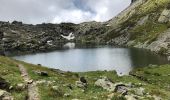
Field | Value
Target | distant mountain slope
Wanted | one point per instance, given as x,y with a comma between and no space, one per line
144,24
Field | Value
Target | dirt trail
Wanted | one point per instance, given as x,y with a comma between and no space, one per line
32,88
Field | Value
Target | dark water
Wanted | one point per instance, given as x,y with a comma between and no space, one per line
122,60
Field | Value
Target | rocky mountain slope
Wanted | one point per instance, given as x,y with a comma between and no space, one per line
144,24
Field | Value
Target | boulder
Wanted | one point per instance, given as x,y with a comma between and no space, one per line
4,95
121,88
105,84
157,98
80,84
143,20
20,86
130,97
56,88
48,83
140,91
165,16
41,73
67,95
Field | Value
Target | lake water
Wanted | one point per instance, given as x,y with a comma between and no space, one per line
123,60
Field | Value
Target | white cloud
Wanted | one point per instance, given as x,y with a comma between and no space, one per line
56,11
75,16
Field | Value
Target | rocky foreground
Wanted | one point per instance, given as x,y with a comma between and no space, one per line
20,81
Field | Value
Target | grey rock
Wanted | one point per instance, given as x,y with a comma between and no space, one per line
56,88
105,84
162,43
41,73
157,98
121,88
140,91
4,95
20,86
66,95
143,20
81,84
165,16
130,97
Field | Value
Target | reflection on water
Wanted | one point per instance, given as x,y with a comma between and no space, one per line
122,60
70,45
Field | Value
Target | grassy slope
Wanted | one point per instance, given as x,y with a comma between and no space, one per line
148,31
156,79
10,72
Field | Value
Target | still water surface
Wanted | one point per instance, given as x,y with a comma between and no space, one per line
123,60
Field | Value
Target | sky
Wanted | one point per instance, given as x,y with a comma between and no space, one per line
57,11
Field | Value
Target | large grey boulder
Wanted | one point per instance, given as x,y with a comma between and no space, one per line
165,16
105,84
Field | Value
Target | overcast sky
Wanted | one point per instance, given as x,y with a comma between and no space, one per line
57,11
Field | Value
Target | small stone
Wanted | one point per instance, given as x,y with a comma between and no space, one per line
41,82
157,98
29,81
56,88
66,95
130,97
140,91
81,84
11,87
41,73
20,86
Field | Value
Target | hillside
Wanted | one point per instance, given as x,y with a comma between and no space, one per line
145,24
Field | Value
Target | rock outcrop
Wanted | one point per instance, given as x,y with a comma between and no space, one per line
165,16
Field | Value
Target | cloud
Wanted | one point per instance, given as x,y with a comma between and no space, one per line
57,11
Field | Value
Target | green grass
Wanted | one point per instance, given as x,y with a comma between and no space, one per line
155,80
147,32
10,72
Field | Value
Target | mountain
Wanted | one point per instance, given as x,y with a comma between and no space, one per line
144,24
